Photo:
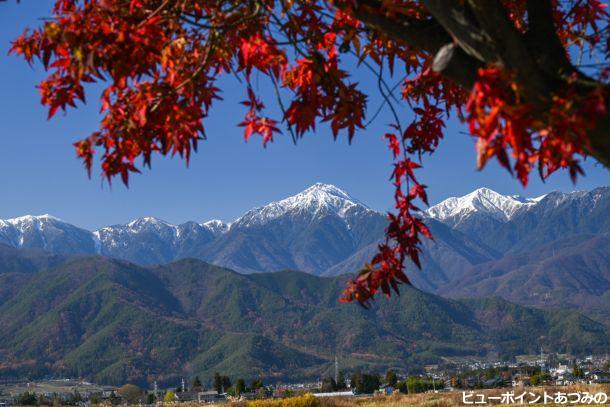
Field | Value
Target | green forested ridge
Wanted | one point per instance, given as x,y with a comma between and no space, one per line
114,322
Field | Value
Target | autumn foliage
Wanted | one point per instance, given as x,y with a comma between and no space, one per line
529,78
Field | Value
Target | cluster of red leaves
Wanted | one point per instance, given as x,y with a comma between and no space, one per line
582,23
254,124
431,99
512,131
385,271
161,61
321,91
147,106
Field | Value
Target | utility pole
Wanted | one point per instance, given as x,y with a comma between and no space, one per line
156,392
183,386
336,369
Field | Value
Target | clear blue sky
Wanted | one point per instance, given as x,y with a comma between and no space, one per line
39,172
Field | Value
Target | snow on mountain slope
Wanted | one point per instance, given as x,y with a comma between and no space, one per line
506,223
160,227
317,200
317,228
45,232
116,235
148,240
310,231
27,224
217,227
482,201
151,240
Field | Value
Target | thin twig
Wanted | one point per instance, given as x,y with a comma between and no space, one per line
281,103
384,102
154,13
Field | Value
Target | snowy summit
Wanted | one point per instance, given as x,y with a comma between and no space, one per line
217,227
483,200
319,199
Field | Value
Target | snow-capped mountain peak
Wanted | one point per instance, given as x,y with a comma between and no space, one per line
14,230
46,232
316,200
147,222
30,219
320,196
483,200
323,191
216,226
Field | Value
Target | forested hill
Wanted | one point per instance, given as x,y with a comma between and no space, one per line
112,321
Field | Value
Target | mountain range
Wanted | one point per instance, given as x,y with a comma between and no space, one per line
112,321
149,300
531,251
310,231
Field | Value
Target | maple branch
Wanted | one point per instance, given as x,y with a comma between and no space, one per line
202,65
599,138
543,40
513,48
380,84
453,63
382,104
229,24
154,12
426,35
553,66
379,77
463,29
465,39
283,109
510,46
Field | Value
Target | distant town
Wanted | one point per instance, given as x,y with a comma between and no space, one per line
525,371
